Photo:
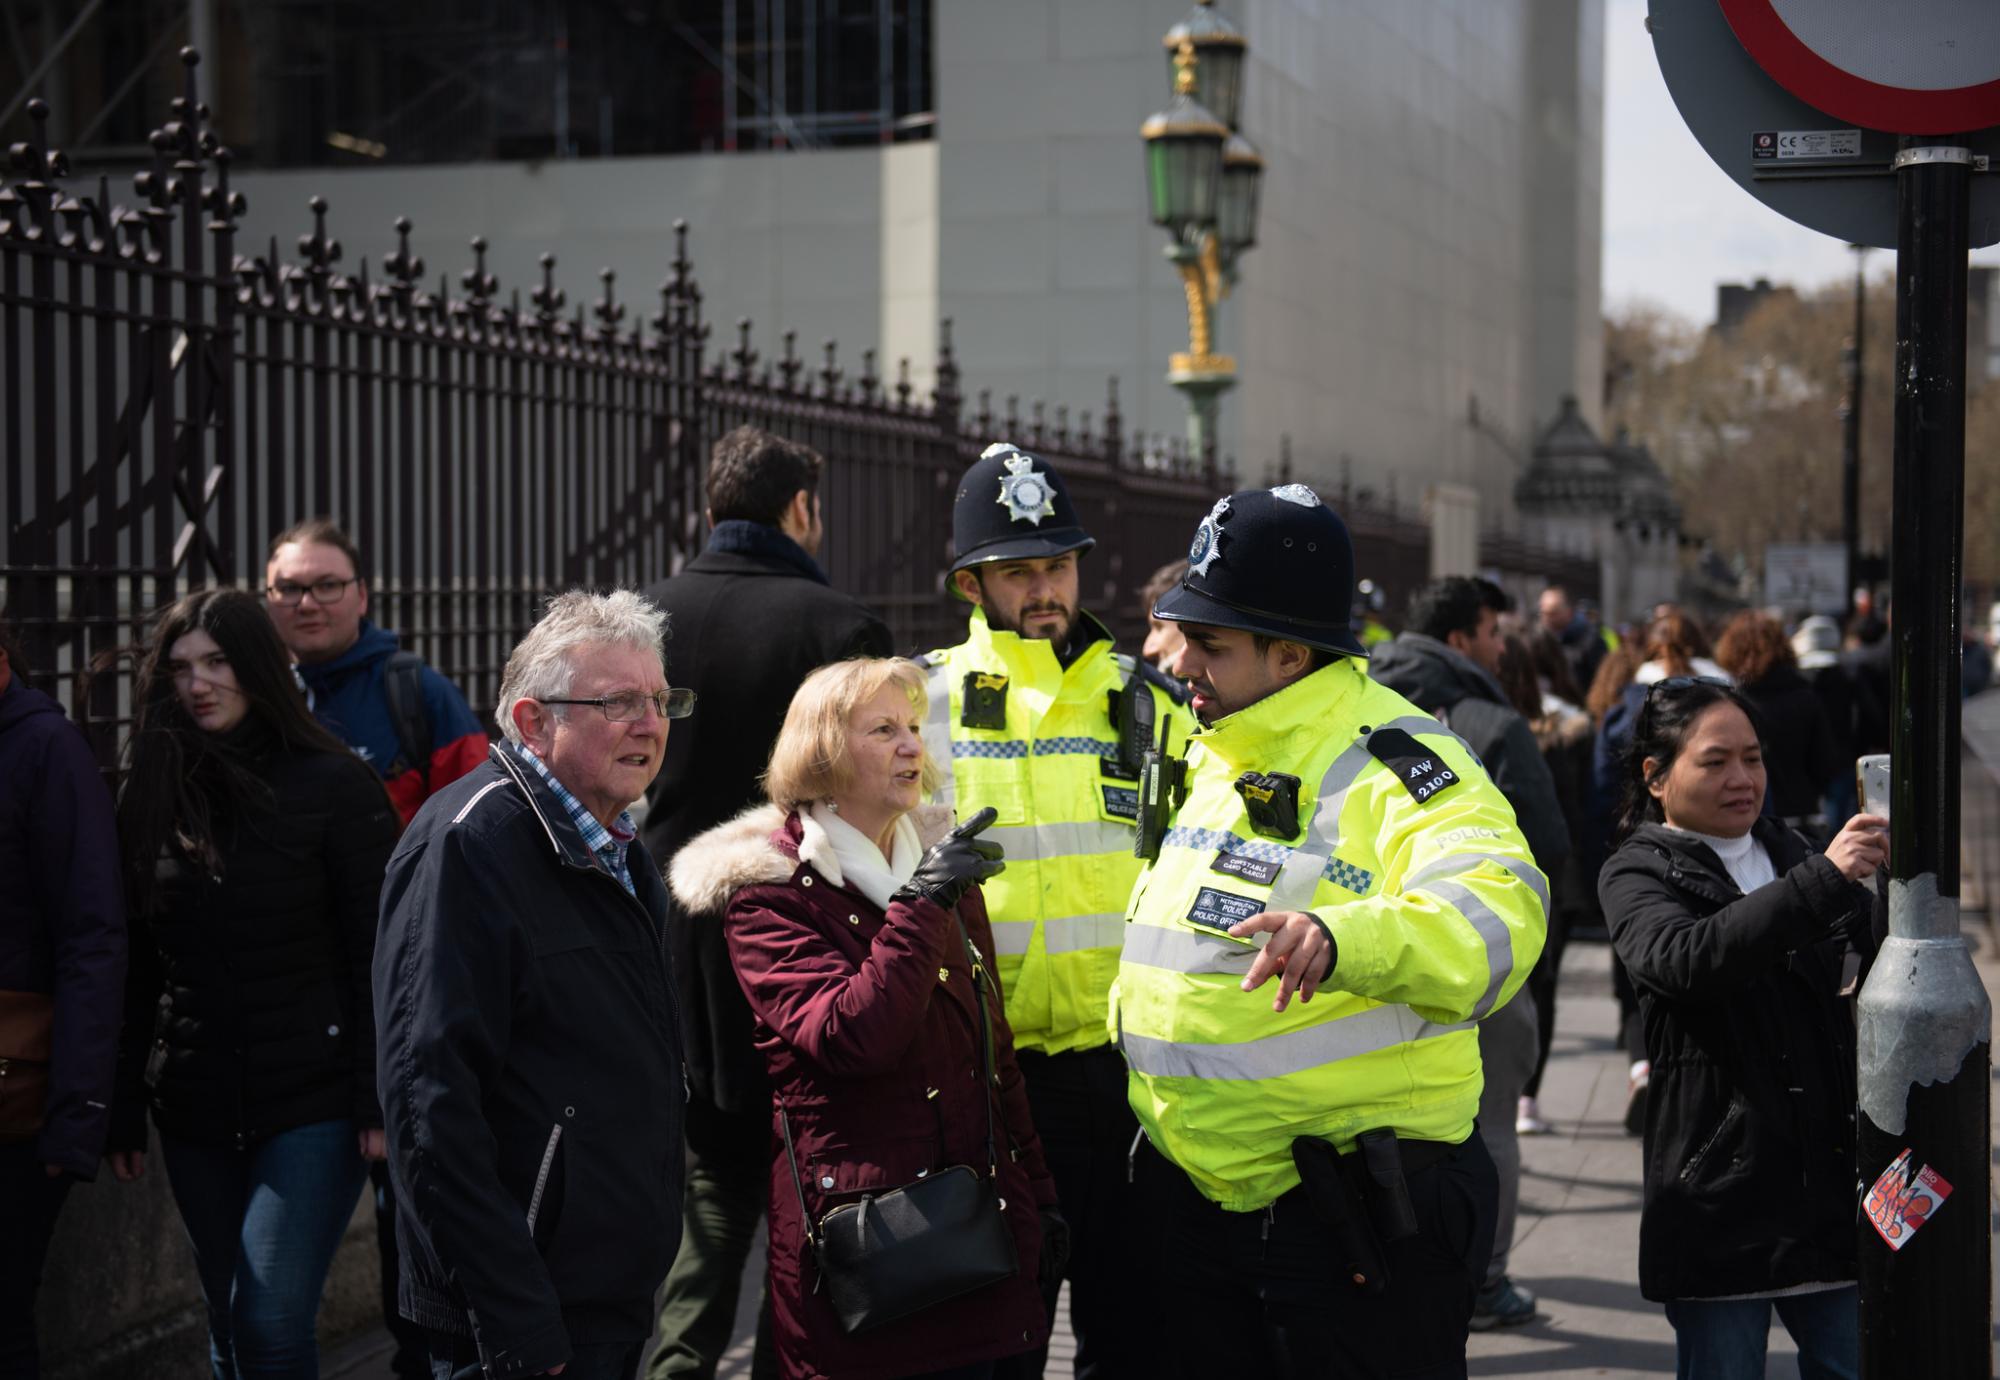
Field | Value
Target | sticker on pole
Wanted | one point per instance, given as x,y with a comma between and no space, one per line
1898,1204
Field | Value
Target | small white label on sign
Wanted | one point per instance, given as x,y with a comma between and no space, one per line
1781,145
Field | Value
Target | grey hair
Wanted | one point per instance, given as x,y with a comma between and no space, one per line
540,667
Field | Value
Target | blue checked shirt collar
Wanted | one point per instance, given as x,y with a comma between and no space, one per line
609,846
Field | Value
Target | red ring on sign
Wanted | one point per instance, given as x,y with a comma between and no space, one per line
1788,61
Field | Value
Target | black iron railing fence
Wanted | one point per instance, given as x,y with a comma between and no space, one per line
168,403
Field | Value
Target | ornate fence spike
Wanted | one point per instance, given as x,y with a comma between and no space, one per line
869,381
1114,423
743,356
548,299
1085,438
946,399
682,265
790,366
607,310
319,252
41,166
830,374
1062,425
903,387
1284,458
984,420
1013,416
403,267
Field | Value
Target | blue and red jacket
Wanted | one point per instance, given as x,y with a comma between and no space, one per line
348,696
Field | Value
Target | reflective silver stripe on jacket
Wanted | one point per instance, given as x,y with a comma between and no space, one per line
1302,872
1178,949
937,735
1276,1056
1490,928
1065,934
1045,842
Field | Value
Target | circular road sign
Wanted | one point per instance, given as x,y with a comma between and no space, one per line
1828,172
1905,66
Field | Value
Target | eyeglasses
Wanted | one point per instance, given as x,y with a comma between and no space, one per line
627,706
326,591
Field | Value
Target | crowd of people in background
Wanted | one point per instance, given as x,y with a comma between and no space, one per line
329,933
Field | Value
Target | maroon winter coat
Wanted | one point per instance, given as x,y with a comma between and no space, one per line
868,1027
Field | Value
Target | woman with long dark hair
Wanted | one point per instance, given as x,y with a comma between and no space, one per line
1741,939
253,845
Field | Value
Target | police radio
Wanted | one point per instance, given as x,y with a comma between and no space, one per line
1162,788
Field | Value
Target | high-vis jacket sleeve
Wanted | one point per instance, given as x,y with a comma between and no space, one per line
1462,913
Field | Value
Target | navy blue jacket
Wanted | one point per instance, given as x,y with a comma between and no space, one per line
62,919
529,1062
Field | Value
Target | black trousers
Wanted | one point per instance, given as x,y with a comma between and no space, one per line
29,1203
1258,1293
1087,1128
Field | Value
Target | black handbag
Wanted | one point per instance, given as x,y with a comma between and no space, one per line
896,1253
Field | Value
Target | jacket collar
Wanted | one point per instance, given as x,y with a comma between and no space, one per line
1031,661
563,835
1313,705
1692,858
766,545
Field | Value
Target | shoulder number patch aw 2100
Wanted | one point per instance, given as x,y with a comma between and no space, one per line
1422,771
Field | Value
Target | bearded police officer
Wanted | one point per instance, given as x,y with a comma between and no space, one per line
1325,1205
1035,715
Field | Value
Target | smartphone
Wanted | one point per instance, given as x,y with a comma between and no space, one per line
1871,783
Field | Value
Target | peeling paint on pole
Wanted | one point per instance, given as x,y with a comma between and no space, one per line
1923,1008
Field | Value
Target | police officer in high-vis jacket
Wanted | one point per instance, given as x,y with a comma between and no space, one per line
1326,1209
1035,715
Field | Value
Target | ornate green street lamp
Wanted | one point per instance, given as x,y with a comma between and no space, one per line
1203,180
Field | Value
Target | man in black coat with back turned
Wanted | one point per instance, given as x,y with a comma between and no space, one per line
752,616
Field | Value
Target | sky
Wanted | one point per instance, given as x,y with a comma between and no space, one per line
1675,225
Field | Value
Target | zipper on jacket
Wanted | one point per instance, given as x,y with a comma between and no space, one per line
542,1176
1694,1161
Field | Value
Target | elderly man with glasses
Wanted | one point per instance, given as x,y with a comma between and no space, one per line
530,1051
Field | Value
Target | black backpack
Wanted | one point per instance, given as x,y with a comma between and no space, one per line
403,684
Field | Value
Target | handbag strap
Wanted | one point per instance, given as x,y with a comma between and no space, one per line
987,1080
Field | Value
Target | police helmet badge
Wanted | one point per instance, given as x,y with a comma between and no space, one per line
1027,495
1296,493
1208,539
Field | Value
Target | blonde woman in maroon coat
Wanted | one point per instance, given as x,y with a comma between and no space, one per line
838,900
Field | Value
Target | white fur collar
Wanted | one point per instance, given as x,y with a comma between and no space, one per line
713,866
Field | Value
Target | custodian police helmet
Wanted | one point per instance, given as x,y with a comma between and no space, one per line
1012,505
1271,561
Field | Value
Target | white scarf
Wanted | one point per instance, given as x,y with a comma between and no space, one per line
848,857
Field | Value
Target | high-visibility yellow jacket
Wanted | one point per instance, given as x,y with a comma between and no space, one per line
1067,815
1436,907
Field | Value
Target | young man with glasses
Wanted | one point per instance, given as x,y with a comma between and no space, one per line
398,714
401,717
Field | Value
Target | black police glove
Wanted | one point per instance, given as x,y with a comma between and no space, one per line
1055,1245
954,864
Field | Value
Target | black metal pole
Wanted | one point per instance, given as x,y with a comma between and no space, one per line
1850,417
1924,1019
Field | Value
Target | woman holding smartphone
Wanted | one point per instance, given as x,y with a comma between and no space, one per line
254,843
1736,933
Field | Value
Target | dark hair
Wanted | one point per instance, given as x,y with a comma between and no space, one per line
1450,605
1321,657
1674,640
1614,673
1545,652
1660,732
317,531
180,779
1752,646
1494,597
753,474
1165,578
1517,677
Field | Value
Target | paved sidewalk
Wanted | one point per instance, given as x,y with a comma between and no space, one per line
1577,1241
